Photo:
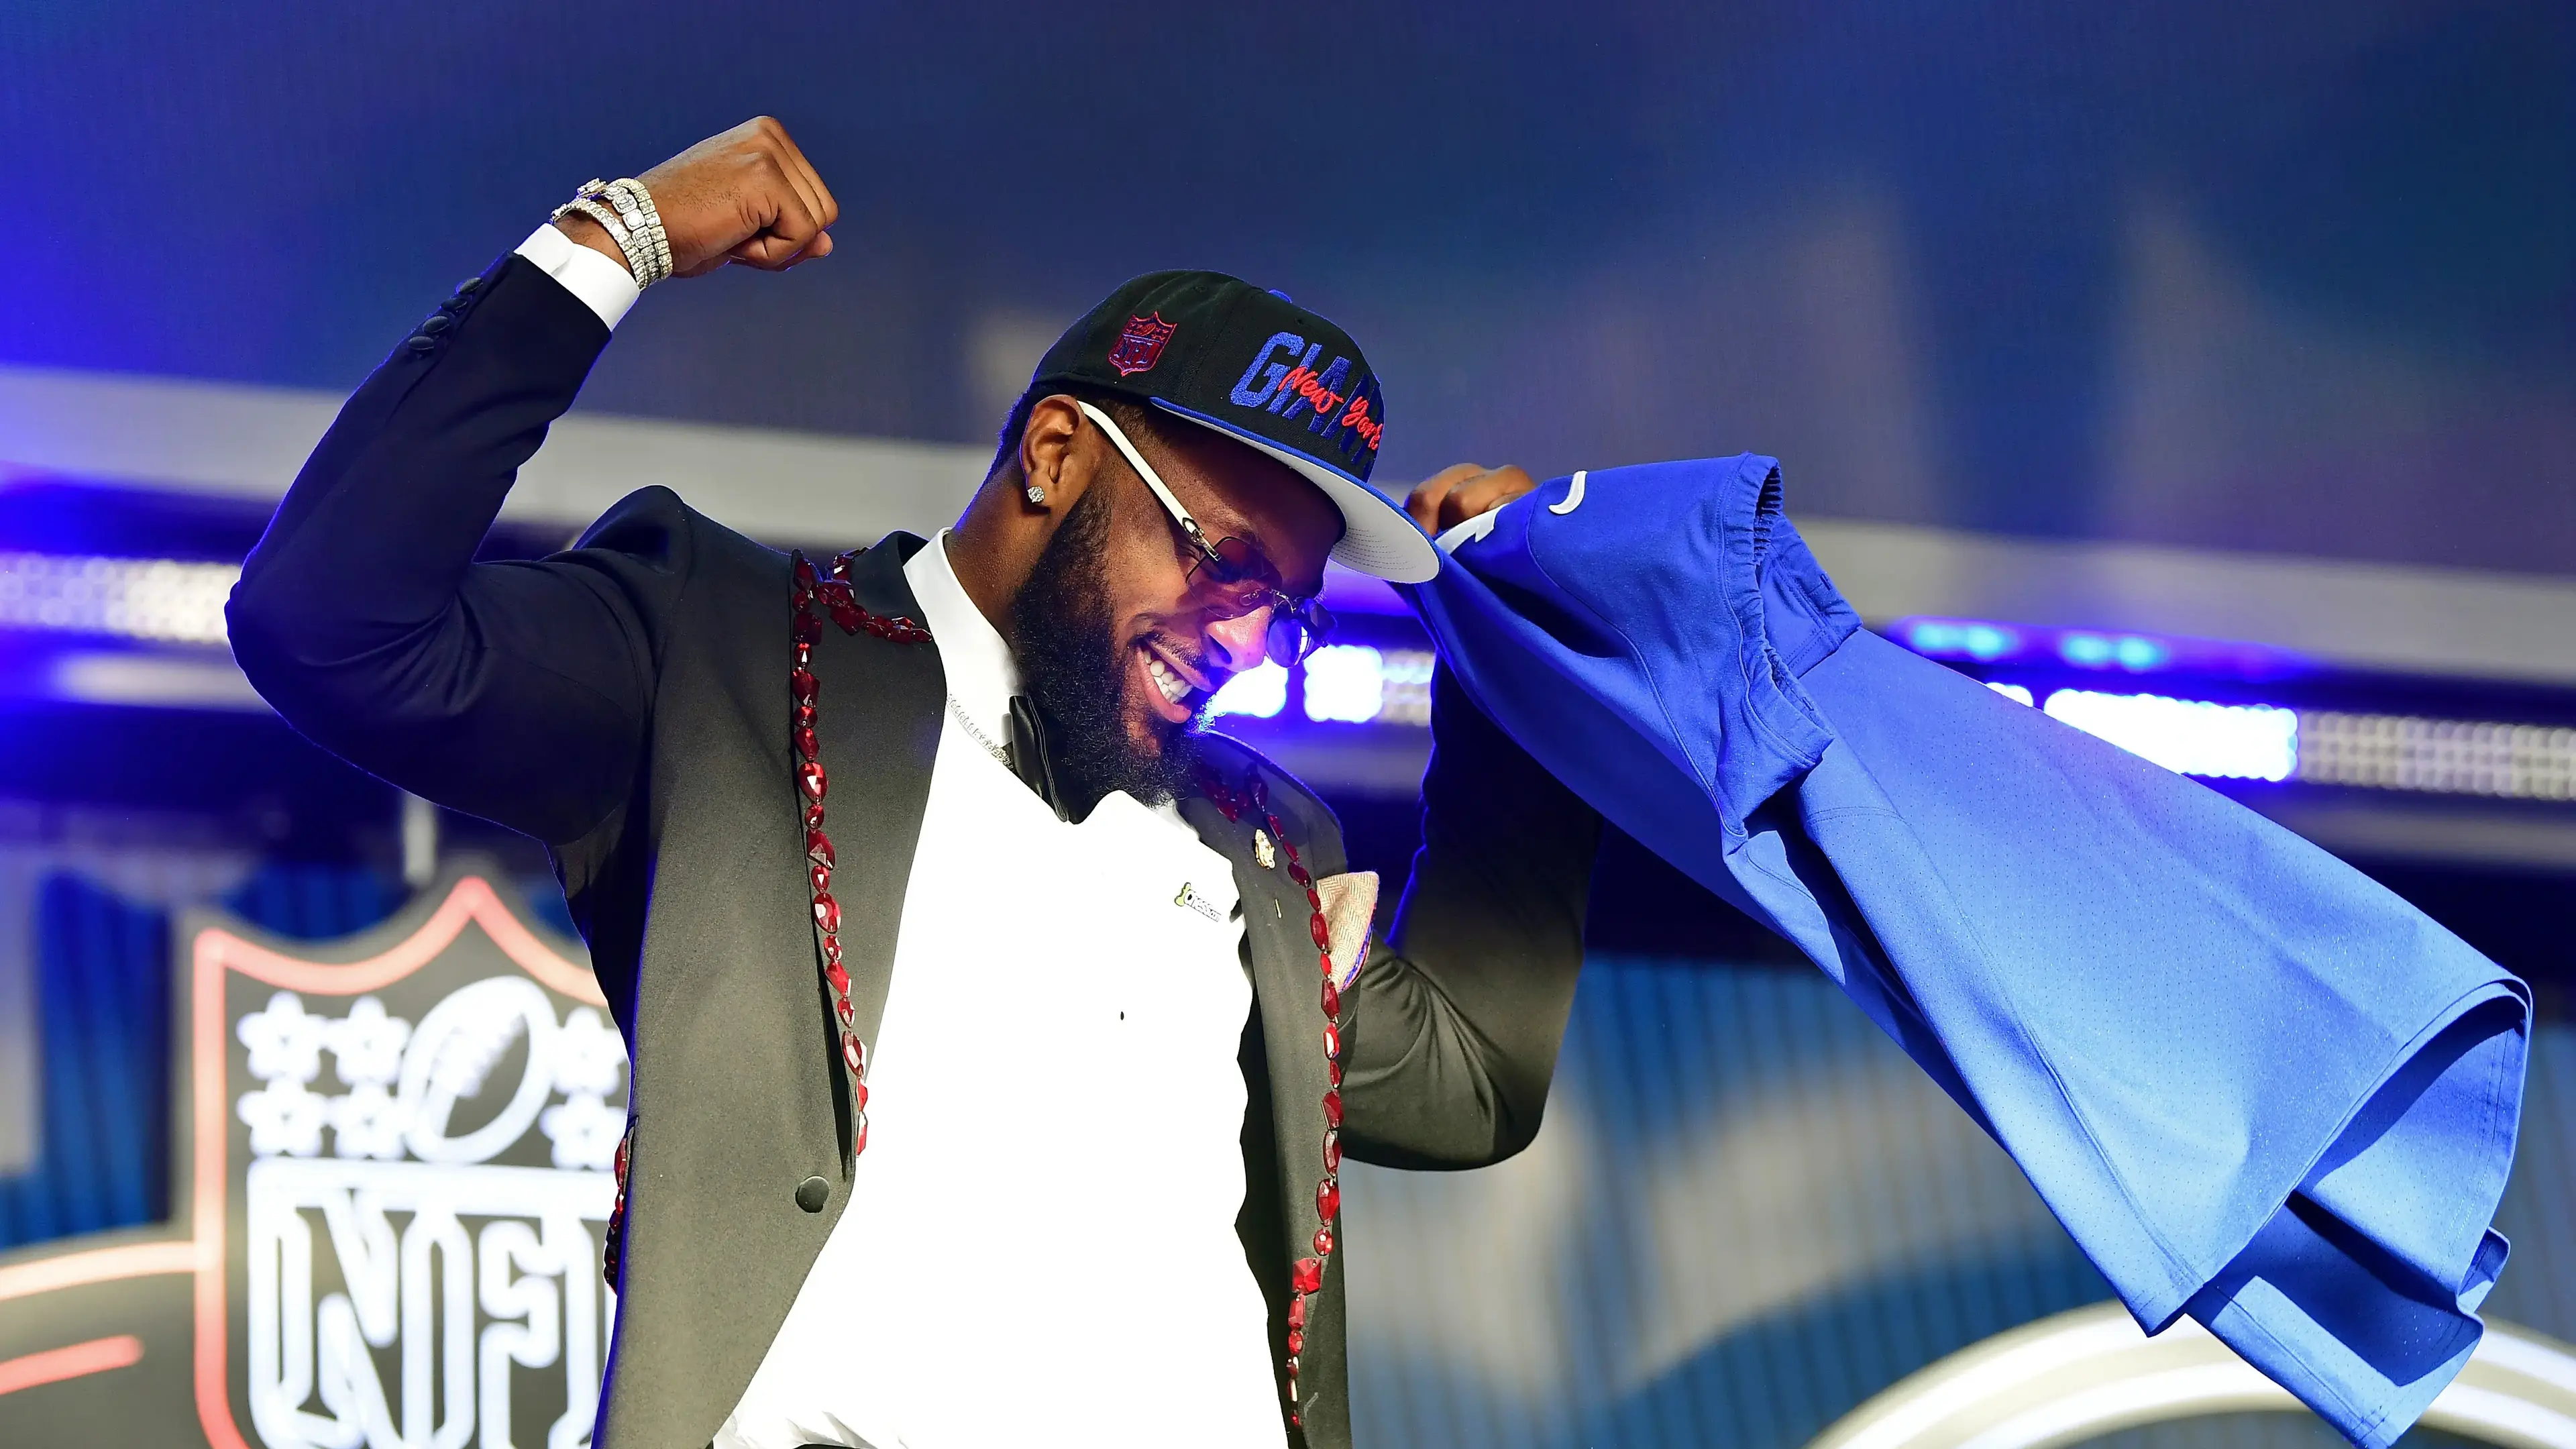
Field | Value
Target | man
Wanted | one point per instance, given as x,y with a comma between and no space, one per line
996,1037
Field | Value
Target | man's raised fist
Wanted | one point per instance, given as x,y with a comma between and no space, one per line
745,196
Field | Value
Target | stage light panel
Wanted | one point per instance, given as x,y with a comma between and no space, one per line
1345,682
136,598
2188,736
1260,692
1407,676
2462,757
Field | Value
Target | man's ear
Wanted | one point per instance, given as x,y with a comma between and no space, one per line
1052,459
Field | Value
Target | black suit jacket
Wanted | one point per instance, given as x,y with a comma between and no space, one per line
626,702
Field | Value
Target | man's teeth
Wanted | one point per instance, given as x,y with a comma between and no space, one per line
1174,688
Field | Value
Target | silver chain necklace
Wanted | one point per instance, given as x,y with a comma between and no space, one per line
990,748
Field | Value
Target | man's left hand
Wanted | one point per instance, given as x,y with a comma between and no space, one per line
1462,491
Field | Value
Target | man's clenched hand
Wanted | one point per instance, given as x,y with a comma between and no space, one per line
1462,491
746,196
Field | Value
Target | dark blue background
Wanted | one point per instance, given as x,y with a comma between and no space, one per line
2280,276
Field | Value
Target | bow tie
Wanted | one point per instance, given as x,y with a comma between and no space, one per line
1028,755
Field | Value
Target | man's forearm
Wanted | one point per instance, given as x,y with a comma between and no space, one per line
1458,1027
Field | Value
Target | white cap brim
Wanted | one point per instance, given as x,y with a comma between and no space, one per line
1378,538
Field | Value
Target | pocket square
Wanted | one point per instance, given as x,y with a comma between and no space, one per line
1350,904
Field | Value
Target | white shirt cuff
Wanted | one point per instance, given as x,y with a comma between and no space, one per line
605,287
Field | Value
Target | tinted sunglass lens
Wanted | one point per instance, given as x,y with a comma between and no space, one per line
1287,640
1233,560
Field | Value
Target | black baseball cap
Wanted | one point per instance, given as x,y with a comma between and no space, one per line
1262,370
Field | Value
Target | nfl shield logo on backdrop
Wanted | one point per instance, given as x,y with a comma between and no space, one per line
1140,344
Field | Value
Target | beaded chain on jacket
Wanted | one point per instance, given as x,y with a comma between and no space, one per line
1307,1276
842,604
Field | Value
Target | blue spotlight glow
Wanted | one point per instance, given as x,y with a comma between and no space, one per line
2133,652
1259,692
1345,682
1961,638
2017,693
2189,737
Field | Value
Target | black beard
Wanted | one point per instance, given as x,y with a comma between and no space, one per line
1074,669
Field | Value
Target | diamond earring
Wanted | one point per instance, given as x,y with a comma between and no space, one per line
1035,495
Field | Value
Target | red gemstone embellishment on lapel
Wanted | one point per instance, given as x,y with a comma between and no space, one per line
805,630
1308,1274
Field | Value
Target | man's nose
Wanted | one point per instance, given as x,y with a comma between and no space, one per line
1240,641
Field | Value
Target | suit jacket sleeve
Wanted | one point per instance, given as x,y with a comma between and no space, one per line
515,691
1460,1016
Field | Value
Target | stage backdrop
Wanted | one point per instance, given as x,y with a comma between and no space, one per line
389,1166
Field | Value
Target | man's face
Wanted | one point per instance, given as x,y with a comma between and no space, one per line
1122,643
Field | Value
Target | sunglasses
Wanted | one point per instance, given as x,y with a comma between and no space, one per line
1244,579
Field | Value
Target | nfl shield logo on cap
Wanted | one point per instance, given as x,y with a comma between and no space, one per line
1140,344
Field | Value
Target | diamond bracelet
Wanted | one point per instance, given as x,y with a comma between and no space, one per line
625,210
635,205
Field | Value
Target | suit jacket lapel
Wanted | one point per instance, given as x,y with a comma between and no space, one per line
878,725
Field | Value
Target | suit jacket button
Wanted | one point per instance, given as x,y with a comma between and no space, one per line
437,322
421,345
467,287
812,1193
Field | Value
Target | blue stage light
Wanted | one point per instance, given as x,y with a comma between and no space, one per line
1345,682
1958,638
2187,736
2017,693
1259,692
2133,652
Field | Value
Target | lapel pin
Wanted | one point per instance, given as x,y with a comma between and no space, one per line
1190,898
1262,853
